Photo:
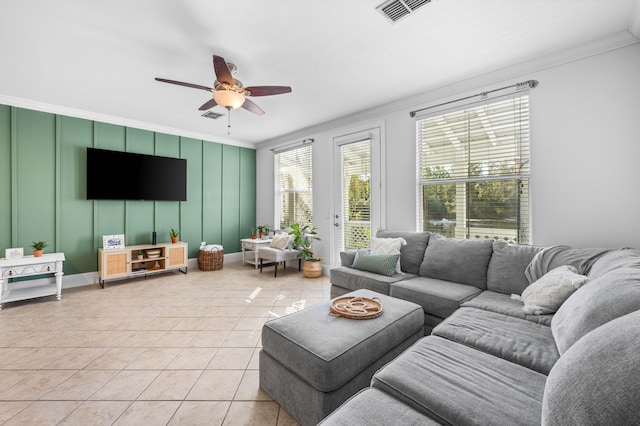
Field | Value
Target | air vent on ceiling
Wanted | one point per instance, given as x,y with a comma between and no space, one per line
212,115
394,10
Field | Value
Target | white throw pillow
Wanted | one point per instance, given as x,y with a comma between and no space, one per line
280,241
545,295
388,246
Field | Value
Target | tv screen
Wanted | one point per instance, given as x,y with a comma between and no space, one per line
117,175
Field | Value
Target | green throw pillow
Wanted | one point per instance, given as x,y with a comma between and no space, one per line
384,264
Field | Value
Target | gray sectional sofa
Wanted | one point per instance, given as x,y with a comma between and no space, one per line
485,360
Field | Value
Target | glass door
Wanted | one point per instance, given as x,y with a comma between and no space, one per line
357,199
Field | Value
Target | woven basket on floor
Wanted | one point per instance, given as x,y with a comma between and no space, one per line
211,260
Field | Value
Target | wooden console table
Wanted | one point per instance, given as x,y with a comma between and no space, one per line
123,263
30,266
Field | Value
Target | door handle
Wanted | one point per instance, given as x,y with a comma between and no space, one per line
337,225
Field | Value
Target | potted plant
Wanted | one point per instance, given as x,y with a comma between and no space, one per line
253,233
38,248
174,236
140,255
267,230
260,229
303,237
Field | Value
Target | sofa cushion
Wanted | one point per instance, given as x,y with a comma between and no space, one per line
355,279
505,273
551,257
517,340
616,259
455,384
437,297
460,261
383,264
504,304
373,407
551,290
412,253
601,300
388,246
597,381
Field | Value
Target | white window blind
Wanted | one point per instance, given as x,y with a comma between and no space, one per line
356,199
293,187
473,171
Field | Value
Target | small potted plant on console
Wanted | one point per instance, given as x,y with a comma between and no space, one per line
140,255
38,247
174,236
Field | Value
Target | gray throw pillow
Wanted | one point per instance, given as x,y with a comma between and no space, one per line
460,261
383,264
601,300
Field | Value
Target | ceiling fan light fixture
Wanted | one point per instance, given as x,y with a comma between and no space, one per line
228,98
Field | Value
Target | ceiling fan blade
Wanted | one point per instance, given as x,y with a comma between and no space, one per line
252,106
182,83
208,105
223,74
267,90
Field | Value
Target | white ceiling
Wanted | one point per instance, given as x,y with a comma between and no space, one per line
339,56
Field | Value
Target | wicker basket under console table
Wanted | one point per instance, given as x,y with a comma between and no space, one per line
124,263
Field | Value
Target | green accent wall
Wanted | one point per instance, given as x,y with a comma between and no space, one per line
43,188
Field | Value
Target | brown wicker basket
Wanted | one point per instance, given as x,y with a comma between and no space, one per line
210,260
355,307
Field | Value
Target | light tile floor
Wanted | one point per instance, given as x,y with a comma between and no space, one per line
173,349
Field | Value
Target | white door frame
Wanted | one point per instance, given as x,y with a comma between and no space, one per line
375,132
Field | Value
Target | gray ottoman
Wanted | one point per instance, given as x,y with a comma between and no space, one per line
311,362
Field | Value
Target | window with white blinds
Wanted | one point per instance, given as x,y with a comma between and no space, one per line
473,171
293,184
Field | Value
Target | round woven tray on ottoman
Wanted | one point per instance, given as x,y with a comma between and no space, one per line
211,259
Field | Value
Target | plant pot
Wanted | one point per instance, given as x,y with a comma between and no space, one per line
37,253
253,237
312,269
174,240
140,256
261,234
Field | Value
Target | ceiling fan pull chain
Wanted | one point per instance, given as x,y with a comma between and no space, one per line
228,121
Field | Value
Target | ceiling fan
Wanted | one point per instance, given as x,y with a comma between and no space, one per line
229,92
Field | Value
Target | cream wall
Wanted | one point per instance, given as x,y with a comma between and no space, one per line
585,153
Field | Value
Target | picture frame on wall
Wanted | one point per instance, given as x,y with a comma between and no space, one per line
14,253
113,242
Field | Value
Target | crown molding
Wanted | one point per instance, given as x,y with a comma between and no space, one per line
103,118
634,22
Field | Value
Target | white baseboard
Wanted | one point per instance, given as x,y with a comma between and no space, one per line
90,278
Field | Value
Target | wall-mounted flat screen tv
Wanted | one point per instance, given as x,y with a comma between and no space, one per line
117,175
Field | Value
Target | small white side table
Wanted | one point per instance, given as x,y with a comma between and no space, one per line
30,266
253,245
